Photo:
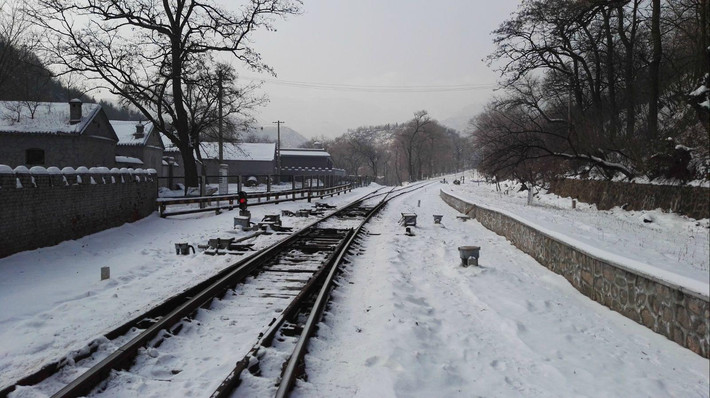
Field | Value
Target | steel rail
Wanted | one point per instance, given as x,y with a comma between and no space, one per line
169,312
290,373
232,380
327,274
120,358
159,311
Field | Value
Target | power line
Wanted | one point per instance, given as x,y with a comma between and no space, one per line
375,88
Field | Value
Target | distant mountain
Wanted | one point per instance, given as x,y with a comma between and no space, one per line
290,138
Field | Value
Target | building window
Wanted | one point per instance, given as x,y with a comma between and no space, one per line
34,156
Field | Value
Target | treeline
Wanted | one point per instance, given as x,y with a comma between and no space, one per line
607,87
25,79
393,153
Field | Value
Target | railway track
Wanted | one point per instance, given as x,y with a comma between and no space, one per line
278,294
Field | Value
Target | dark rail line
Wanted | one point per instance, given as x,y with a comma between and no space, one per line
303,315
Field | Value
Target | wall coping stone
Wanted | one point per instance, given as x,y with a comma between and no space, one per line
21,177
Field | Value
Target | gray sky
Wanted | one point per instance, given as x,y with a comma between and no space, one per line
349,46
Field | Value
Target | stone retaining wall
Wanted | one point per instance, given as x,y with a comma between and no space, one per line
677,313
690,201
42,207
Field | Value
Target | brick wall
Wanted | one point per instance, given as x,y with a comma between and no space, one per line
673,311
43,207
691,201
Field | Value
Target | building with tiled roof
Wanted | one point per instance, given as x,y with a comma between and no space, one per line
55,134
247,159
139,145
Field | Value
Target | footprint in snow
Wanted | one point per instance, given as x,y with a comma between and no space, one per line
372,361
498,365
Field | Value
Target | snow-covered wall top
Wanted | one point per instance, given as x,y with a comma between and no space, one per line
305,152
22,177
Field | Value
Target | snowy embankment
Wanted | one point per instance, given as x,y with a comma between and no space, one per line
408,320
700,288
663,245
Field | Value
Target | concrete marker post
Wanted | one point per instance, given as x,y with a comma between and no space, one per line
105,273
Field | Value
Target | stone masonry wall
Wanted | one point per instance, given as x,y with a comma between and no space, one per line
680,315
43,207
691,201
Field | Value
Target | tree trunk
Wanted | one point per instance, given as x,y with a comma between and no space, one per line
611,76
629,67
188,162
654,70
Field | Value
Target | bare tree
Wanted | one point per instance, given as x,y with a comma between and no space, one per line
367,143
151,53
654,69
16,43
614,78
409,138
343,155
238,104
525,127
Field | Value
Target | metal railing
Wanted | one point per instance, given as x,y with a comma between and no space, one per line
217,203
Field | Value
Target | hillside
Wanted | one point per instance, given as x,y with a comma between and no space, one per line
23,77
290,138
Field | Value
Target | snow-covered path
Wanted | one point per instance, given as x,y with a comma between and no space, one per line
408,320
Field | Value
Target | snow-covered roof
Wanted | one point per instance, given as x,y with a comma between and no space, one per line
305,152
243,151
128,159
125,130
48,117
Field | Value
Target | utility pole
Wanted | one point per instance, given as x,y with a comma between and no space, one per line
219,128
278,147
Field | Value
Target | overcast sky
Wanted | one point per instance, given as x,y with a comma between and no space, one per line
348,63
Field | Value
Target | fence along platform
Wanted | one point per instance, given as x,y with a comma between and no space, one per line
231,199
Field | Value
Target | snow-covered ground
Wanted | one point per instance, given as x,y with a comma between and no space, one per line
52,300
669,242
412,322
406,320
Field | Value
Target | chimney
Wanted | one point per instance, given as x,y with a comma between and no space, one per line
139,130
74,111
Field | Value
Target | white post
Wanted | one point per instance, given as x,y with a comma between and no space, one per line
530,194
223,183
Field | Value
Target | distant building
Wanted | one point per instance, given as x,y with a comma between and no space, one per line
138,145
55,134
298,161
247,159
75,134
